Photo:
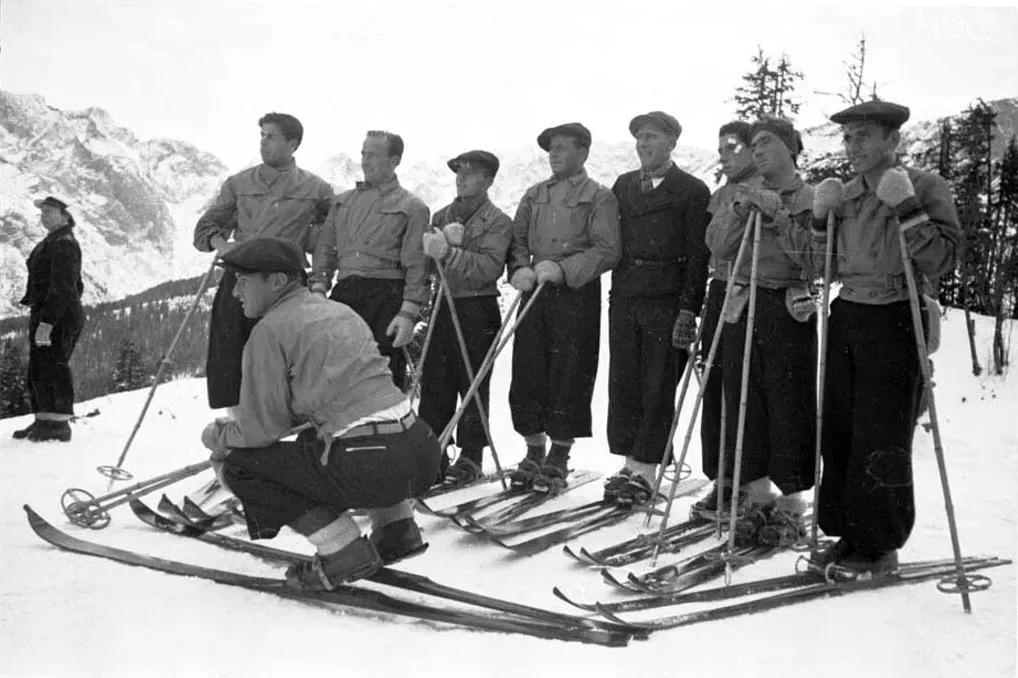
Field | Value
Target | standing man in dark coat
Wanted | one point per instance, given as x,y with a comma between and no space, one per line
656,295
55,321
276,199
565,235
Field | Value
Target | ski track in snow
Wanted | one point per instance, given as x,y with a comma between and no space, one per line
71,615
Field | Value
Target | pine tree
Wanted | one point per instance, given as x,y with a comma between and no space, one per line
767,89
13,381
130,373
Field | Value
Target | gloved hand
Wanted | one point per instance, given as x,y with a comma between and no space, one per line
435,244
210,437
768,202
42,333
684,330
454,233
827,197
897,192
523,279
548,271
401,328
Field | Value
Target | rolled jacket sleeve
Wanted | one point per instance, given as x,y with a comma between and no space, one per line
220,219
605,243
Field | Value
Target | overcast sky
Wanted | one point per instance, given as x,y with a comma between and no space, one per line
450,76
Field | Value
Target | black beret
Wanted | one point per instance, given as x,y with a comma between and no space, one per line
570,129
50,201
892,115
667,123
264,255
480,158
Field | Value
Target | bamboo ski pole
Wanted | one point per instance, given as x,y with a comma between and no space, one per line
117,472
747,351
825,309
961,581
723,437
419,368
465,354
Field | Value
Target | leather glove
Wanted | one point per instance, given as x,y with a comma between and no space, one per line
454,233
897,192
435,244
523,279
768,202
548,271
210,438
684,330
401,328
42,333
827,197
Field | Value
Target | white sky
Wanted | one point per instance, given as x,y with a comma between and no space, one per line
450,76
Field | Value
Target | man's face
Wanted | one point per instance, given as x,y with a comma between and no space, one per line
770,155
256,292
376,163
471,180
653,146
735,156
867,146
275,148
565,156
52,217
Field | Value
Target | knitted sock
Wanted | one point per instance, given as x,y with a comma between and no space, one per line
646,470
390,514
759,491
795,502
334,536
559,453
536,444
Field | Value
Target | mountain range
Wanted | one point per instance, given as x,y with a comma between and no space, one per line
136,201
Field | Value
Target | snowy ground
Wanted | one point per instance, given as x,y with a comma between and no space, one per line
71,615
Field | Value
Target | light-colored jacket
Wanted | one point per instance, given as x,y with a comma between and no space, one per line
580,232
308,359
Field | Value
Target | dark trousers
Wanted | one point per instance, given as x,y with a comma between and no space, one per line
870,406
378,301
710,406
643,372
780,433
229,329
555,352
280,483
445,378
50,382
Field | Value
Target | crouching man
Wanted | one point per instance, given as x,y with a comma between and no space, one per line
312,360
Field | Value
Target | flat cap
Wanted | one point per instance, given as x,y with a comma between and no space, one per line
50,201
570,129
892,115
667,123
480,158
264,255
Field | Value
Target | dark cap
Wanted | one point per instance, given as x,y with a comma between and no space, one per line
482,159
667,123
264,255
884,112
50,201
570,129
780,128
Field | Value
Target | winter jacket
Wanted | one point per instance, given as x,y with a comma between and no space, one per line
662,234
54,276
473,268
777,269
574,222
264,201
308,359
375,232
724,196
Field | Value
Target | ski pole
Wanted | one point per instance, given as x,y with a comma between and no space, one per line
419,369
708,366
960,583
478,401
117,472
723,442
747,351
489,361
822,375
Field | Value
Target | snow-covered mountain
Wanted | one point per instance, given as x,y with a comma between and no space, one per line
135,201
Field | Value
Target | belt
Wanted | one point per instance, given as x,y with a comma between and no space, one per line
381,428
650,262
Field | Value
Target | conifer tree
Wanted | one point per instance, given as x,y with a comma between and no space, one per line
13,377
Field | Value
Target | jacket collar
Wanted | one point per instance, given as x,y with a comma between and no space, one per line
384,188
59,233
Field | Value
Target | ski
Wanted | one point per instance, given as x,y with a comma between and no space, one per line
387,576
749,588
703,568
806,593
642,546
438,489
208,523
576,479
348,596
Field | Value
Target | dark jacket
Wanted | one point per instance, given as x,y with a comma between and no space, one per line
474,267
663,249
54,276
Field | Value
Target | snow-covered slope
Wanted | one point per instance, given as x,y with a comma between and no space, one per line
70,615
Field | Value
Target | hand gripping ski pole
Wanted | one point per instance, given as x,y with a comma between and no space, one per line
825,309
117,472
481,410
959,583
